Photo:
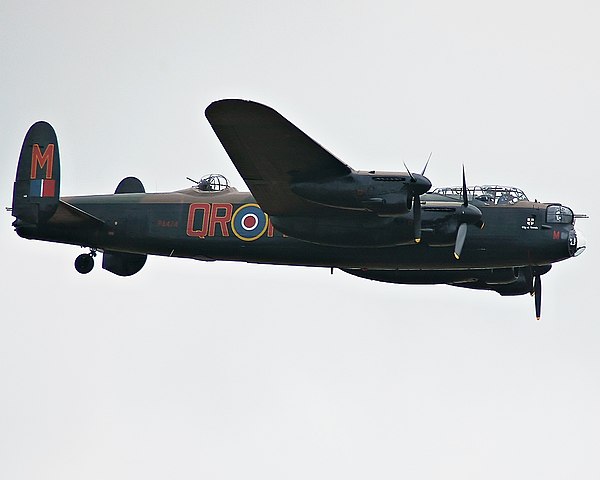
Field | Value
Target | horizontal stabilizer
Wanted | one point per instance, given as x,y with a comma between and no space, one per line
67,214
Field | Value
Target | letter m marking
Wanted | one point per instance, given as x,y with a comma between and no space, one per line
45,160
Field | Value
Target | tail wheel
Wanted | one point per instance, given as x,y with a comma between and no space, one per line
84,263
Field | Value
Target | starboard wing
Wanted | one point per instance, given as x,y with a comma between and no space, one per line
270,153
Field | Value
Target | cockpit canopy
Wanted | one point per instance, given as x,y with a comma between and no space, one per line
489,194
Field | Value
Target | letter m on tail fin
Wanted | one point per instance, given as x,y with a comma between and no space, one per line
42,160
36,190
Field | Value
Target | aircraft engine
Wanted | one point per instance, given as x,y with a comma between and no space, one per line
386,194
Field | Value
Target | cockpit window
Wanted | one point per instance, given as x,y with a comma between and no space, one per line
490,194
559,214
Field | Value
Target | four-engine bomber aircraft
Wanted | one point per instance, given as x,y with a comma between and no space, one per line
306,207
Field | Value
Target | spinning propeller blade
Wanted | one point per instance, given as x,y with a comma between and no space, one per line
468,214
420,185
464,189
412,179
417,218
537,293
426,163
461,235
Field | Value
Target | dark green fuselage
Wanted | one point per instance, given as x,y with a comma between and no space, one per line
199,225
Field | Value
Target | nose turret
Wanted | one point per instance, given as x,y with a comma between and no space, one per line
577,242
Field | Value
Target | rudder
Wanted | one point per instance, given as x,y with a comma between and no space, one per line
37,184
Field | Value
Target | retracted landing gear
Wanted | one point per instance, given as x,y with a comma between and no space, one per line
84,263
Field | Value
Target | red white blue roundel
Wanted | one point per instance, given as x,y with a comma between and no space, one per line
249,222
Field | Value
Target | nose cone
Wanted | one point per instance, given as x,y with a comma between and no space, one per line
577,243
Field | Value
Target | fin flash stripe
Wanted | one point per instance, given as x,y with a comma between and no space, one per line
42,188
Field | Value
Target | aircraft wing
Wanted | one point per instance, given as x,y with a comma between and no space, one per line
270,153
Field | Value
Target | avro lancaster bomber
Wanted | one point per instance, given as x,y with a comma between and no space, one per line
305,207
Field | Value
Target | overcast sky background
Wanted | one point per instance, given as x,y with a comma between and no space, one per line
228,371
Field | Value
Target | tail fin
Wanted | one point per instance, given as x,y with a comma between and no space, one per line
130,185
37,186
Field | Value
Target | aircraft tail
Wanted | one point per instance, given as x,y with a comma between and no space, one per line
37,185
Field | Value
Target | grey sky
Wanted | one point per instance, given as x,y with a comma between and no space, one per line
194,370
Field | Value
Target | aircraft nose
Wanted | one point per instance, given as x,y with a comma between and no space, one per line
577,243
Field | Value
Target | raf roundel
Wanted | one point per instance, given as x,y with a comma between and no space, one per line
249,222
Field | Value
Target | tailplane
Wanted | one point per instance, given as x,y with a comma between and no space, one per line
37,185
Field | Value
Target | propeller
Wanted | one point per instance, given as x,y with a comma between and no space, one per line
461,235
426,163
417,218
468,214
421,185
535,277
537,293
464,189
412,178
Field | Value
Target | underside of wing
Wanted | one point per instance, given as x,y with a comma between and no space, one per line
271,153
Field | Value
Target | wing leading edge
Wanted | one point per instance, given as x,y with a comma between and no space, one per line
271,153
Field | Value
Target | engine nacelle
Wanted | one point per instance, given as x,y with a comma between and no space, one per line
379,192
